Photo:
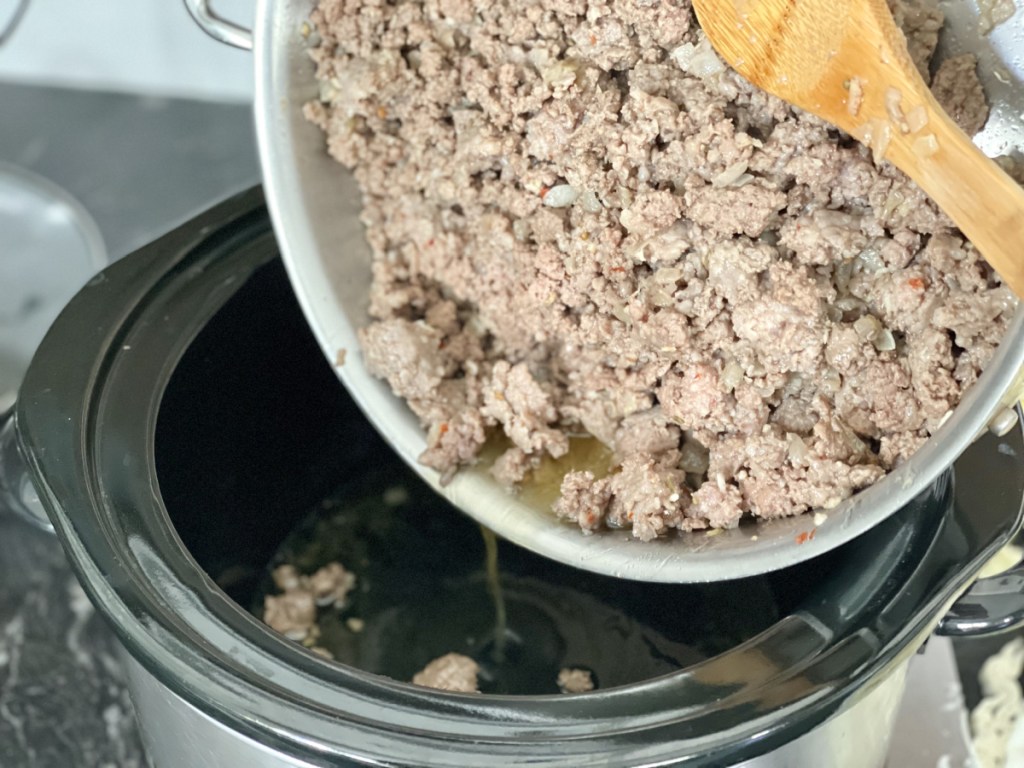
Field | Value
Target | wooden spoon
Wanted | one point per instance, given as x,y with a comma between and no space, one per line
846,61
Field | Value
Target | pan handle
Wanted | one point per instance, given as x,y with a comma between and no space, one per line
992,604
17,494
216,26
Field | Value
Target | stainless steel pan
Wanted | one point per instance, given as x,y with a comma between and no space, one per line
314,203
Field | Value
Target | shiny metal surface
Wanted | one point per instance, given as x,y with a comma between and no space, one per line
993,605
315,206
1001,69
857,737
931,725
177,734
216,26
1003,421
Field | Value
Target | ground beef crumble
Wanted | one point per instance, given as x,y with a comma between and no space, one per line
293,612
575,680
451,672
581,221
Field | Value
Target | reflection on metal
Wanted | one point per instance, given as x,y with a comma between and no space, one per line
1003,422
216,26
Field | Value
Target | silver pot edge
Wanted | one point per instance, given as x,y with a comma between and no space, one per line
314,206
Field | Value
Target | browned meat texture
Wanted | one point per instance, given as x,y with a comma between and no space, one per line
451,672
958,89
581,221
574,680
293,613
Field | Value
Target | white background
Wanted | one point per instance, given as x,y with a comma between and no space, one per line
139,46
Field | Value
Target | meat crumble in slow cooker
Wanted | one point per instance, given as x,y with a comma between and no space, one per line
582,222
451,672
296,611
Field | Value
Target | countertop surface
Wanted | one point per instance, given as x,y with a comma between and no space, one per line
139,166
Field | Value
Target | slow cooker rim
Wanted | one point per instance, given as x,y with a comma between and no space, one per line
130,610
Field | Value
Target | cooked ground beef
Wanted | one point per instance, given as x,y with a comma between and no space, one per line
958,89
582,221
293,613
451,672
575,680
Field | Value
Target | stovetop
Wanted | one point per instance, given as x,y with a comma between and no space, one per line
139,166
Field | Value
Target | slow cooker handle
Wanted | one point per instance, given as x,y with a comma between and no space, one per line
216,26
993,604
17,494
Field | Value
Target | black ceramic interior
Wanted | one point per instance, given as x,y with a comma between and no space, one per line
281,466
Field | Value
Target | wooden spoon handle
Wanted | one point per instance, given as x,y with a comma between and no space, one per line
981,199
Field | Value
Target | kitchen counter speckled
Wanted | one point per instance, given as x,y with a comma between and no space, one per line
139,166
62,696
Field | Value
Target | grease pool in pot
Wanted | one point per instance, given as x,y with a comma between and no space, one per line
422,592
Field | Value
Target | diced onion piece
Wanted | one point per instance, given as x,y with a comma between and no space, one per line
842,276
926,146
705,63
668,275
732,375
830,381
730,175
328,90
521,230
893,201
867,327
917,118
875,135
880,141
683,55
871,260
856,96
884,341
560,74
797,449
659,297
699,60
893,108
589,202
561,196
850,304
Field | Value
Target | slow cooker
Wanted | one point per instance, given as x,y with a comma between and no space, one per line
179,422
